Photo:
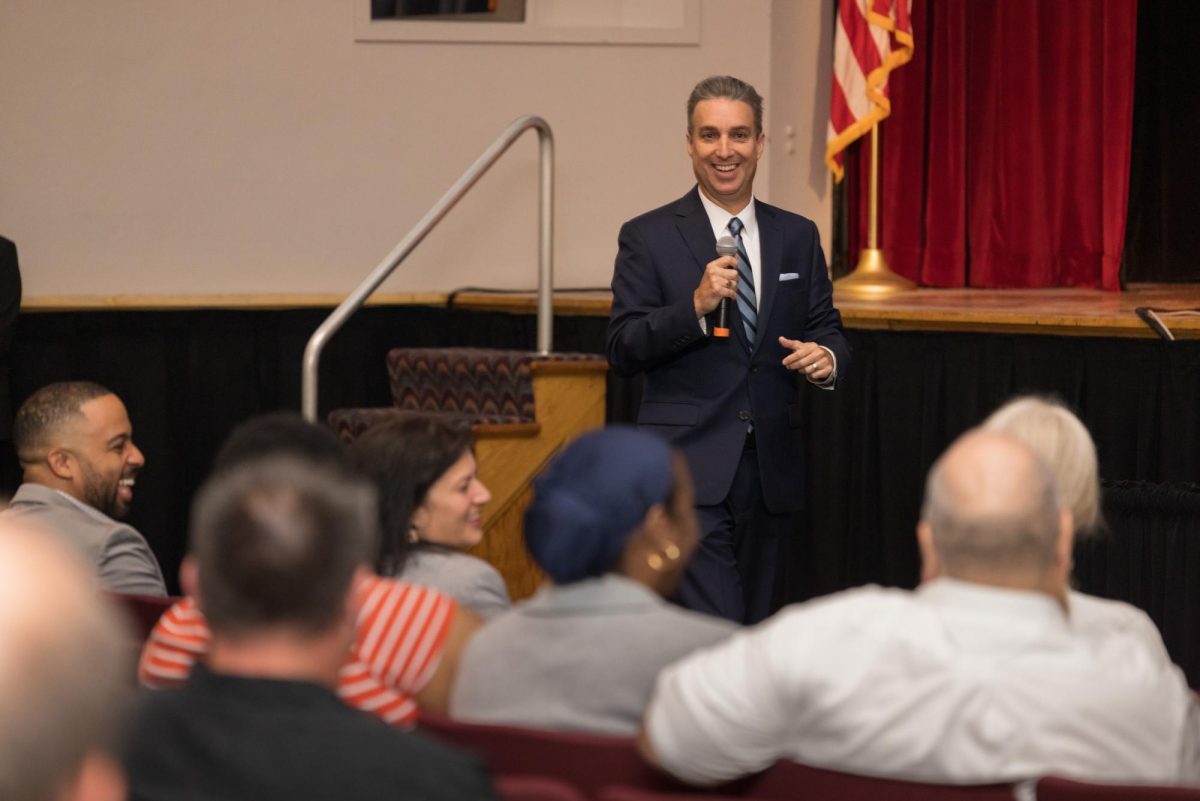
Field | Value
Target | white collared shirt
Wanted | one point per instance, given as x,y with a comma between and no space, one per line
719,219
955,682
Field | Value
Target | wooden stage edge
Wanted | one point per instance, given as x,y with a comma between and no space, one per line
1069,312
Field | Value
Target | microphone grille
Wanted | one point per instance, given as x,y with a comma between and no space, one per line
726,246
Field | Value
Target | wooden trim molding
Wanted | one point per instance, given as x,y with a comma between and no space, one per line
1069,312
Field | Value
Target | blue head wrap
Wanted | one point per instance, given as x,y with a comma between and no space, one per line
592,497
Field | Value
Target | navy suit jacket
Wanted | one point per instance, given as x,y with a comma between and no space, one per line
701,393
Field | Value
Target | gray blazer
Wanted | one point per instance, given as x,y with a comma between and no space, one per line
472,582
577,657
120,555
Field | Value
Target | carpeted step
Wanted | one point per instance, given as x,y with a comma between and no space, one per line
480,385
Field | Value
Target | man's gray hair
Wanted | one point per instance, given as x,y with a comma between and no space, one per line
277,542
65,666
992,505
1051,431
43,414
728,88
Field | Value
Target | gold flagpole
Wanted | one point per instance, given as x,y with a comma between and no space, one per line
871,277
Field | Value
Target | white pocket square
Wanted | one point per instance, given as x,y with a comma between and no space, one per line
788,276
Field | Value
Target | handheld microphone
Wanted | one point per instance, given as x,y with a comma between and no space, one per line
726,246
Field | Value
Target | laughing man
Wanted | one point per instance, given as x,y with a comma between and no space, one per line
75,444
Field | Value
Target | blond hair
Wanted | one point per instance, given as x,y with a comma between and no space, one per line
1056,435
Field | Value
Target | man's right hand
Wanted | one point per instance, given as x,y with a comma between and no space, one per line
719,281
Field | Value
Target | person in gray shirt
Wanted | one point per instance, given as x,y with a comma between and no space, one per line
75,444
431,507
612,524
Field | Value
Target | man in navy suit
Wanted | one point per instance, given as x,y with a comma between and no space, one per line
729,403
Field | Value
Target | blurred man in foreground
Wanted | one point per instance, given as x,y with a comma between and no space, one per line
64,669
279,550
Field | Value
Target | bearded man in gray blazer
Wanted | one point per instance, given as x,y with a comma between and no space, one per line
75,444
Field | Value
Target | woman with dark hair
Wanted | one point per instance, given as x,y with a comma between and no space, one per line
430,507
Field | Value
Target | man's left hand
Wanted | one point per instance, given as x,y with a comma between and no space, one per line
808,358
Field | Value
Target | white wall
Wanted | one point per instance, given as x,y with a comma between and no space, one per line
252,146
801,69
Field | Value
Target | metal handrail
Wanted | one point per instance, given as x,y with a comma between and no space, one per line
356,299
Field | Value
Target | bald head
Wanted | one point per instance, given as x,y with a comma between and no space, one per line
992,510
64,670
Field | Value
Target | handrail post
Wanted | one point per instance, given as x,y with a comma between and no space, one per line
355,300
545,307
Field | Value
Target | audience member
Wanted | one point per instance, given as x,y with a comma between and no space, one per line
612,524
283,433
63,674
409,637
75,444
431,507
279,559
1062,441
10,308
977,676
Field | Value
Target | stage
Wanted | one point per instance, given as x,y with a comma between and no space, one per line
1066,312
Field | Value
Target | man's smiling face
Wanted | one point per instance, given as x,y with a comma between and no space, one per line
725,148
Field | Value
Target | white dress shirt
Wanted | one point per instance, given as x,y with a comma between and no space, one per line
955,682
719,219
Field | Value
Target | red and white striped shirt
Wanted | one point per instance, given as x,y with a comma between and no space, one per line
401,629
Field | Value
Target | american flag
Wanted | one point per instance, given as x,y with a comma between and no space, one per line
872,38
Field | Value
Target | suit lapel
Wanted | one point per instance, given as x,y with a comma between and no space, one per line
696,230
770,243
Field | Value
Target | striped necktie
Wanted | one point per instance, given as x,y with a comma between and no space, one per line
746,301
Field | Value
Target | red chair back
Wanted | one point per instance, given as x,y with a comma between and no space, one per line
792,780
144,610
622,793
1053,788
596,765
534,788
588,762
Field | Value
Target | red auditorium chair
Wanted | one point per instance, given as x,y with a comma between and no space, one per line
534,788
144,610
1055,789
588,762
622,793
794,781
596,765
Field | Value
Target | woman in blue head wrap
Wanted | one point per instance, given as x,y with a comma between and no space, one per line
612,524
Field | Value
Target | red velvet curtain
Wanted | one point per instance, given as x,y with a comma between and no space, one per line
1005,161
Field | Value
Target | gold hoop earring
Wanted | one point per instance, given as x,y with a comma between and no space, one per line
655,562
672,551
